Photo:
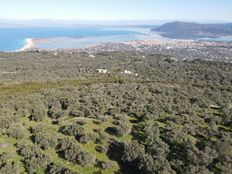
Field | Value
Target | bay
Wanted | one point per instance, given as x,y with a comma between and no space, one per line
12,39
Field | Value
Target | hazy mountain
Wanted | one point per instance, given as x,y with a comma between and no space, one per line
76,22
187,30
73,23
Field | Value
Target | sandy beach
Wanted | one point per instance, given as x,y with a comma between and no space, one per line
30,44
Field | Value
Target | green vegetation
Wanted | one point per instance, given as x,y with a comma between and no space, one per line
163,117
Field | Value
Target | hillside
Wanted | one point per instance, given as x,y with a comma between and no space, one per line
114,112
185,30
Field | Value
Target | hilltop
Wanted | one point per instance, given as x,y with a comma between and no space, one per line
188,30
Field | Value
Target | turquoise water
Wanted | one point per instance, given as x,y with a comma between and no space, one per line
12,39
217,39
88,41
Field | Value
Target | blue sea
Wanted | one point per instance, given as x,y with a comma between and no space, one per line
12,39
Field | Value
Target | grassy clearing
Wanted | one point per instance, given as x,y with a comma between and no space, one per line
7,145
27,88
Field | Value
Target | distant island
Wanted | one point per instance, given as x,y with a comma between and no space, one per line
187,30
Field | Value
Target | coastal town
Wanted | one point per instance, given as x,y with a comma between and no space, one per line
180,49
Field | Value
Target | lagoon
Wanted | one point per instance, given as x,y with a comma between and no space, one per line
12,39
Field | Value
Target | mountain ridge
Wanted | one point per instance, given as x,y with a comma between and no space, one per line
190,30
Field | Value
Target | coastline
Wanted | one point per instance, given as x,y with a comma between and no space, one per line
30,44
183,49
80,43
54,43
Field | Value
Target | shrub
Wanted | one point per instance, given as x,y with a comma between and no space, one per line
64,103
54,169
7,165
38,113
122,129
36,163
54,113
37,129
86,137
132,151
74,114
22,112
74,130
27,150
112,130
85,159
105,165
101,149
101,138
16,130
7,117
69,150
45,140
81,122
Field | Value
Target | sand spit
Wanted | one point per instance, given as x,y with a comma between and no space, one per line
30,44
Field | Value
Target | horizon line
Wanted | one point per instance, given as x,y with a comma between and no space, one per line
109,20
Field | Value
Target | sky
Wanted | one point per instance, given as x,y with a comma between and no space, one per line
215,10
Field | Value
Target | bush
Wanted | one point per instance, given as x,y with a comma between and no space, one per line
64,102
86,137
122,129
72,130
101,138
45,140
81,122
16,130
22,112
69,150
74,114
54,169
38,113
7,166
36,163
27,150
132,151
7,117
105,165
54,113
85,159
101,149
37,129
